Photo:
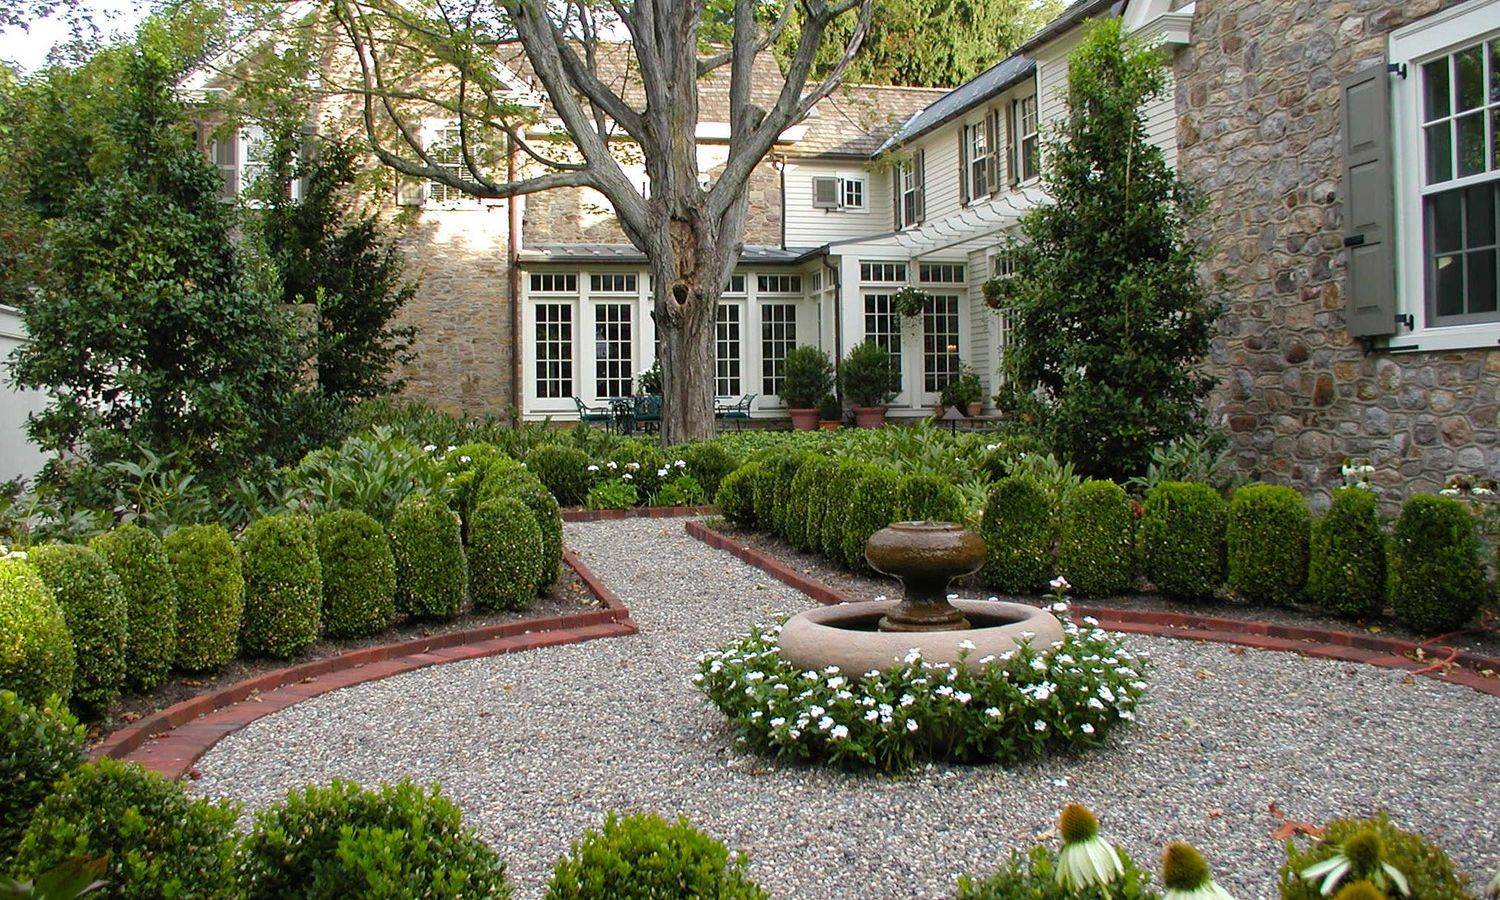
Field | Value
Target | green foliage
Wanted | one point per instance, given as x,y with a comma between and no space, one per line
36,654
963,390
808,375
159,842
359,574
93,603
804,495
337,258
1193,457
839,499
869,375
75,878
1266,540
1437,569
371,472
709,462
139,560
397,840
1002,455
1033,876
505,554
681,490
736,495
473,472
1111,319
283,586
210,596
829,409
642,461
872,506
785,467
1428,870
432,575
644,856
1017,529
1094,547
612,495
1182,539
38,745
929,498
527,489
564,471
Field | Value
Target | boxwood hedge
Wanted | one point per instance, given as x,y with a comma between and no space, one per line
432,575
527,489
872,506
1182,539
283,586
38,745
736,495
36,654
644,856
709,462
359,574
1017,529
93,604
929,498
563,470
140,561
1095,552
804,495
210,595
505,554
1346,570
1266,543
1438,570
838,501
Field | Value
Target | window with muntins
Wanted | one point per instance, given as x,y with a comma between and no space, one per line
778,334
1029,141
446,151
941,273
778,284
882,272
554,283
1460,111
908,194
939,341
883,325
554,350
612,283
613,369
853,191
736,285
727,350
976,141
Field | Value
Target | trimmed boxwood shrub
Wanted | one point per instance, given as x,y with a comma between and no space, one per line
765,491
210,595
709,462
160,843
929,498
644,856
1346,568
38,745
1428,870
1266,543
36,648
139,560
432,575
1094,549
563,470
359,574
471,468
805,496
283,586
817,503
1182,539
1017,530
736,495
782,508
527,489
505,552
872,506
1439,573
93,604
395,840
839,498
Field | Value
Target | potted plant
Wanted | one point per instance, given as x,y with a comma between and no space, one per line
831,412
870,380
965,392
807,376
909,302
649,381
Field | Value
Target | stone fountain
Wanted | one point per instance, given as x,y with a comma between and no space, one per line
878,634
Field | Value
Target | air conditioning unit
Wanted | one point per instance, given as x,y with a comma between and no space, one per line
825,192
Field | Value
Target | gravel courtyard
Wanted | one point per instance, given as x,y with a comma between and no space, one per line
538,746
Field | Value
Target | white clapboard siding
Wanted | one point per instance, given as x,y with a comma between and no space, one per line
19,458
810,227
981,355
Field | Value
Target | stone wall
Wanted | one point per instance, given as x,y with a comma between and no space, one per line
1258,106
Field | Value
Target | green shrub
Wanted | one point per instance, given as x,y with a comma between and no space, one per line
870,375
139,560
805,494
826,470
872,506
1017,530
527,489
1266,543
807,376
38,745
1033,876
681,490
1000,456
36,650
736,495
782,509
397,840
505,554
839,499
643,462
1182,539
929,498
563,470
93,604
432,575
1346,569
210,595
1428,870
765,490
1094,550
612,494
159,842
471,468
644,856
372,472
359,574
709,462
283,586
1438,571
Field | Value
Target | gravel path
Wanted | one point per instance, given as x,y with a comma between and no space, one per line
538,746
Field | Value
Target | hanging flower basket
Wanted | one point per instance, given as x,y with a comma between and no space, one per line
909,301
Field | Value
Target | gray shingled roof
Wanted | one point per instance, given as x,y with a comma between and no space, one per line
856,119
625,253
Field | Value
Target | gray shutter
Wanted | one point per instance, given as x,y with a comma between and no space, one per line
825,192
992,143
1369,204
226,150
964,188
920,174
896,194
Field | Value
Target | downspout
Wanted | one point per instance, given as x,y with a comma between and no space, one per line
513,239
838,323
780,163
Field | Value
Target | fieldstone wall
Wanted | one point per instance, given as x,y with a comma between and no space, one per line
1258,127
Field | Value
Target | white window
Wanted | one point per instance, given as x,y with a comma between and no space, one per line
883,325
977,147
939,341
852,192
446,151
1003,264
910,187
727,345
778,284
882,273
613,358
941,273
1028,141
554,283
613,283
243,158
554,350
736,284
778,334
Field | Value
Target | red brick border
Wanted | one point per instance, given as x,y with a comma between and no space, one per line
1321,643
579,514
171,740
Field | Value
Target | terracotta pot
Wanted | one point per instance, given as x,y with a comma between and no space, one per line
976,408
869,416
832,425
937,411
804,419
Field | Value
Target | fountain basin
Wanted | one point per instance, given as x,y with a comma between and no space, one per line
848,635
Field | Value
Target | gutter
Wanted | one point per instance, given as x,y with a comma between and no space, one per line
513,238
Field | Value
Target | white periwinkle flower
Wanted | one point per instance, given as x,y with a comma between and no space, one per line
1085,859
593,468
1059,584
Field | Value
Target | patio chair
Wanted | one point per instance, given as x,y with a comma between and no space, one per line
588,413
737,412
646,412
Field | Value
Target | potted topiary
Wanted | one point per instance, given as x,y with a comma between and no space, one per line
870,380
964,392
831,412
808,375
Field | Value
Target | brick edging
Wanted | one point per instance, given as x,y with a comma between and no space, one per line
579,514
169,741
1321,643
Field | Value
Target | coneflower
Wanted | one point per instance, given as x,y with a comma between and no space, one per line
1186,875
1085,859
1361,856
1360,890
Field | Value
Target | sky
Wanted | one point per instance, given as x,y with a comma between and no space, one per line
28,47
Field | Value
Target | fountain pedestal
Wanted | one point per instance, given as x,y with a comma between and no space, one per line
925,557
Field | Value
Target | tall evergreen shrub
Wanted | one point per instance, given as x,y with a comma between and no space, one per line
1094,548
1439,573
1266,540
1182,539
1017,529
283,586
1346,570
94,605
139,559
210,595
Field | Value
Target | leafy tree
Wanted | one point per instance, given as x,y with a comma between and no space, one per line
1111,321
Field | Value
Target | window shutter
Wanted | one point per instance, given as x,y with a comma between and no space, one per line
896,195
1369,204
920,172
825,193
992,142
964,187
226,150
